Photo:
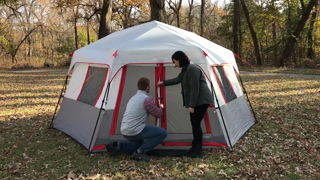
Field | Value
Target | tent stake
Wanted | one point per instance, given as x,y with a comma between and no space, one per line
62,92
103,100
215,95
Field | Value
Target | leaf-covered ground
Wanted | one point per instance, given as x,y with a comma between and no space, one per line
267,151
287,70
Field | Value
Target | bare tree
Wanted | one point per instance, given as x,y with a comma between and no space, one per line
176,6
190,2
253,33
13,50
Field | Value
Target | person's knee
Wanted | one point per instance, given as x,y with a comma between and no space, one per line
164,134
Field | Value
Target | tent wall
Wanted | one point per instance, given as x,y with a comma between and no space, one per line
113,91
77,119
237,117
218,132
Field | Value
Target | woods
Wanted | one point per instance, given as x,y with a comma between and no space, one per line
264,32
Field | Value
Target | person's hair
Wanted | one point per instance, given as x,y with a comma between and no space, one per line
143,83
181,57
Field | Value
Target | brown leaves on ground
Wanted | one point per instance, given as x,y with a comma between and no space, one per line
267,151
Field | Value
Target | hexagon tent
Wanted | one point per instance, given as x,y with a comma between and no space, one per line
104,77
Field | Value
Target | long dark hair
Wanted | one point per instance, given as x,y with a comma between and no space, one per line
182,58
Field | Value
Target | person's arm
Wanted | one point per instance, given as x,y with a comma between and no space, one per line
173,81
151,108
194,78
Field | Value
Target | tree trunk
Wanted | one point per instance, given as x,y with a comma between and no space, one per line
253,33
105,20
236,18
292,40
202,16
157,10
190,15
88,31
176,9
75,27
29,47
240,39
274,37
311,53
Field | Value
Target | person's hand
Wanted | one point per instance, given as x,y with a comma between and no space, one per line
160,83
161,105
191,110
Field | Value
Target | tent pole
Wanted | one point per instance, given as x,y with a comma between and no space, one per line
63,90
103,100
215,95
245,91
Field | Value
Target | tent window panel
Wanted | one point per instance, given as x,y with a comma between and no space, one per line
93,85
224,84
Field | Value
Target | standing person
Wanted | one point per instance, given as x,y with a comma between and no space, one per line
142,138
196,96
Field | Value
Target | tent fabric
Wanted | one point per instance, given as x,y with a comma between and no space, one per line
77,119
237,117
153,42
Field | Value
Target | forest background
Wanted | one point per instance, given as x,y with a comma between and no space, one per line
276,33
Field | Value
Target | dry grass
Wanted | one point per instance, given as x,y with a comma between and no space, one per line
267,151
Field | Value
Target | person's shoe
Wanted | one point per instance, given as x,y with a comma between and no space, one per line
140,157
190,151
112,149
196,154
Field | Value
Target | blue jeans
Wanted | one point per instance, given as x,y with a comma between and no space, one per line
146,140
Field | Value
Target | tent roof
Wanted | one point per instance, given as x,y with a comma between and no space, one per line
152,42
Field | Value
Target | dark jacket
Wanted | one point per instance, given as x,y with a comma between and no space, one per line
194,88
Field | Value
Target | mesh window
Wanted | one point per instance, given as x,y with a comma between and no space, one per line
224,84
93,85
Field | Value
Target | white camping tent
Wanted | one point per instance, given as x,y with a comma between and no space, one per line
104,78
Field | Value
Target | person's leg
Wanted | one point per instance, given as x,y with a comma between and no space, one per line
196,119
153,135
193,125
134,142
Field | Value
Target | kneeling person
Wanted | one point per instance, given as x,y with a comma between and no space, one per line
142,138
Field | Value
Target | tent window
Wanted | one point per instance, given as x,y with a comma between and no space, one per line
224,84
93,85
